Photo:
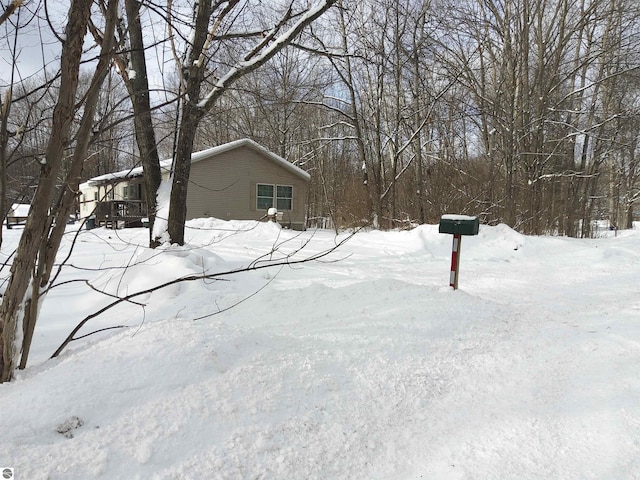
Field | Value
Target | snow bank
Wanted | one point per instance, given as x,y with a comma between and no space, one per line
362,365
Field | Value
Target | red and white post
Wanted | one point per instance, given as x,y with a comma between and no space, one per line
455,260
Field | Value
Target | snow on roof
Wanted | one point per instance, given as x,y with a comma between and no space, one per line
19,210
201,155
129,173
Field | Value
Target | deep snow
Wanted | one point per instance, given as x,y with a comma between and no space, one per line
363,365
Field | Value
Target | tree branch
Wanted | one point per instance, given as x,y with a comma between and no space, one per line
261,55
287,261
12,7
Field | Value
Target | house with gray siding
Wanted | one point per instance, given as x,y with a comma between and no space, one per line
240,180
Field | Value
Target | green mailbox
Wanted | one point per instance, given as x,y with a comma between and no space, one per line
459,225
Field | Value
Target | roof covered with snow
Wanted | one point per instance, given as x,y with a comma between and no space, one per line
165,165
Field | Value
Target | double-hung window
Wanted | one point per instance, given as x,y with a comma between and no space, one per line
264,199
284,197
280,196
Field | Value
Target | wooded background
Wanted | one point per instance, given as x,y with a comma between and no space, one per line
524,112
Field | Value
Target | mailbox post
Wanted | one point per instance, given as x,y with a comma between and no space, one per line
457,225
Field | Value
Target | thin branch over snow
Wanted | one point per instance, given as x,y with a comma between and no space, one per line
258,264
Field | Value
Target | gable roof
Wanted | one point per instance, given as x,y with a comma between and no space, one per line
165,165
247,142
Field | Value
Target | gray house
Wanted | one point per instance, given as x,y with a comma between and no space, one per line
239,180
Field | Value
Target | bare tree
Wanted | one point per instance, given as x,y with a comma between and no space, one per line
209,20
40,239
5,110
33,263
542,76
133,69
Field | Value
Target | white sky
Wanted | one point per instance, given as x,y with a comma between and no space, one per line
37,47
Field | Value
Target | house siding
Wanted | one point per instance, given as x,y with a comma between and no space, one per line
224,187
108,192
223,182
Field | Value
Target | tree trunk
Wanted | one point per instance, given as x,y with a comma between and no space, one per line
57,220
13,305
194,109
182,168
628,223
189,120
5,108
138,88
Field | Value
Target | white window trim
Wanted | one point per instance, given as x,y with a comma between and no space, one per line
274,199
288,198
258,197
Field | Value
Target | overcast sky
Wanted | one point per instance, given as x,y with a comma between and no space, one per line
36,46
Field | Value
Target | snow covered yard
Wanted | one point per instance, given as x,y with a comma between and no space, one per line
363,365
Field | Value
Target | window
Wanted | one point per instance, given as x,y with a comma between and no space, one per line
280,196
264,199
132,192
284,197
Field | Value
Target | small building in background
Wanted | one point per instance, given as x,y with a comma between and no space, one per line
18,214
240,180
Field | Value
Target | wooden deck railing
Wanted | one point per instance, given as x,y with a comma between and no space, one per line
126,213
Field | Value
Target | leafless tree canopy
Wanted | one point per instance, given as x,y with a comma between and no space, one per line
521,112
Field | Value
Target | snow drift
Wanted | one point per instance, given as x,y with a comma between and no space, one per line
361,365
